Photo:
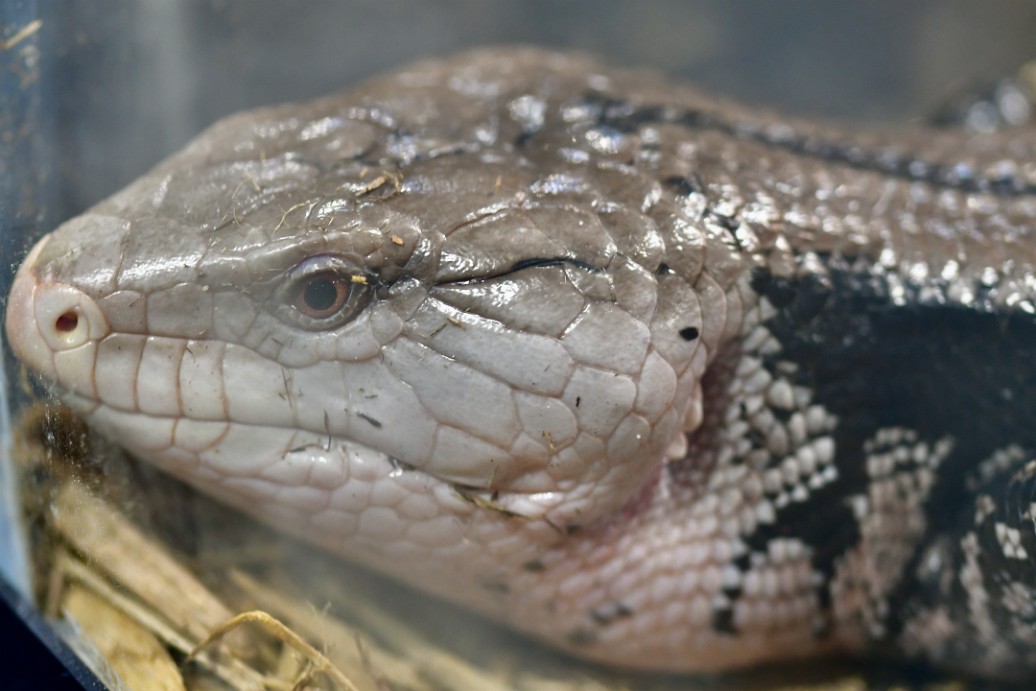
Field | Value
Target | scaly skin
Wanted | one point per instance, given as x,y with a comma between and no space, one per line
666,382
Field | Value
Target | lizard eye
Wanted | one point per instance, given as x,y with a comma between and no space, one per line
322,295
323,292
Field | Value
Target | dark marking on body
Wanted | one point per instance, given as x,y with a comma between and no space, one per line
629,118
780,291
497,587
728,223
581,637
685,186
936,368
524,138
607,613
723,620
689,333
566,530
368,418
756,437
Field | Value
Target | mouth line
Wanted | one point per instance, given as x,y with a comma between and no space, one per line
90,407
87,405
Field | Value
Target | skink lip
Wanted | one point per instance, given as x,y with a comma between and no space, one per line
95,410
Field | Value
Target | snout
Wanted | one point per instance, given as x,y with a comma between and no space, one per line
53,327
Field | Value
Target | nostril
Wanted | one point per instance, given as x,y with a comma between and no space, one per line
67,321
65,316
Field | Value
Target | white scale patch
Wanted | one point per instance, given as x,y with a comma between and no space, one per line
773,450
901,470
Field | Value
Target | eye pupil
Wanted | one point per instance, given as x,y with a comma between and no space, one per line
322,292
322,296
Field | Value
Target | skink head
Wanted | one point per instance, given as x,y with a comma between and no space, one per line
388,322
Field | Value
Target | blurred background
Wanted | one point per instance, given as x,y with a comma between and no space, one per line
121,83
